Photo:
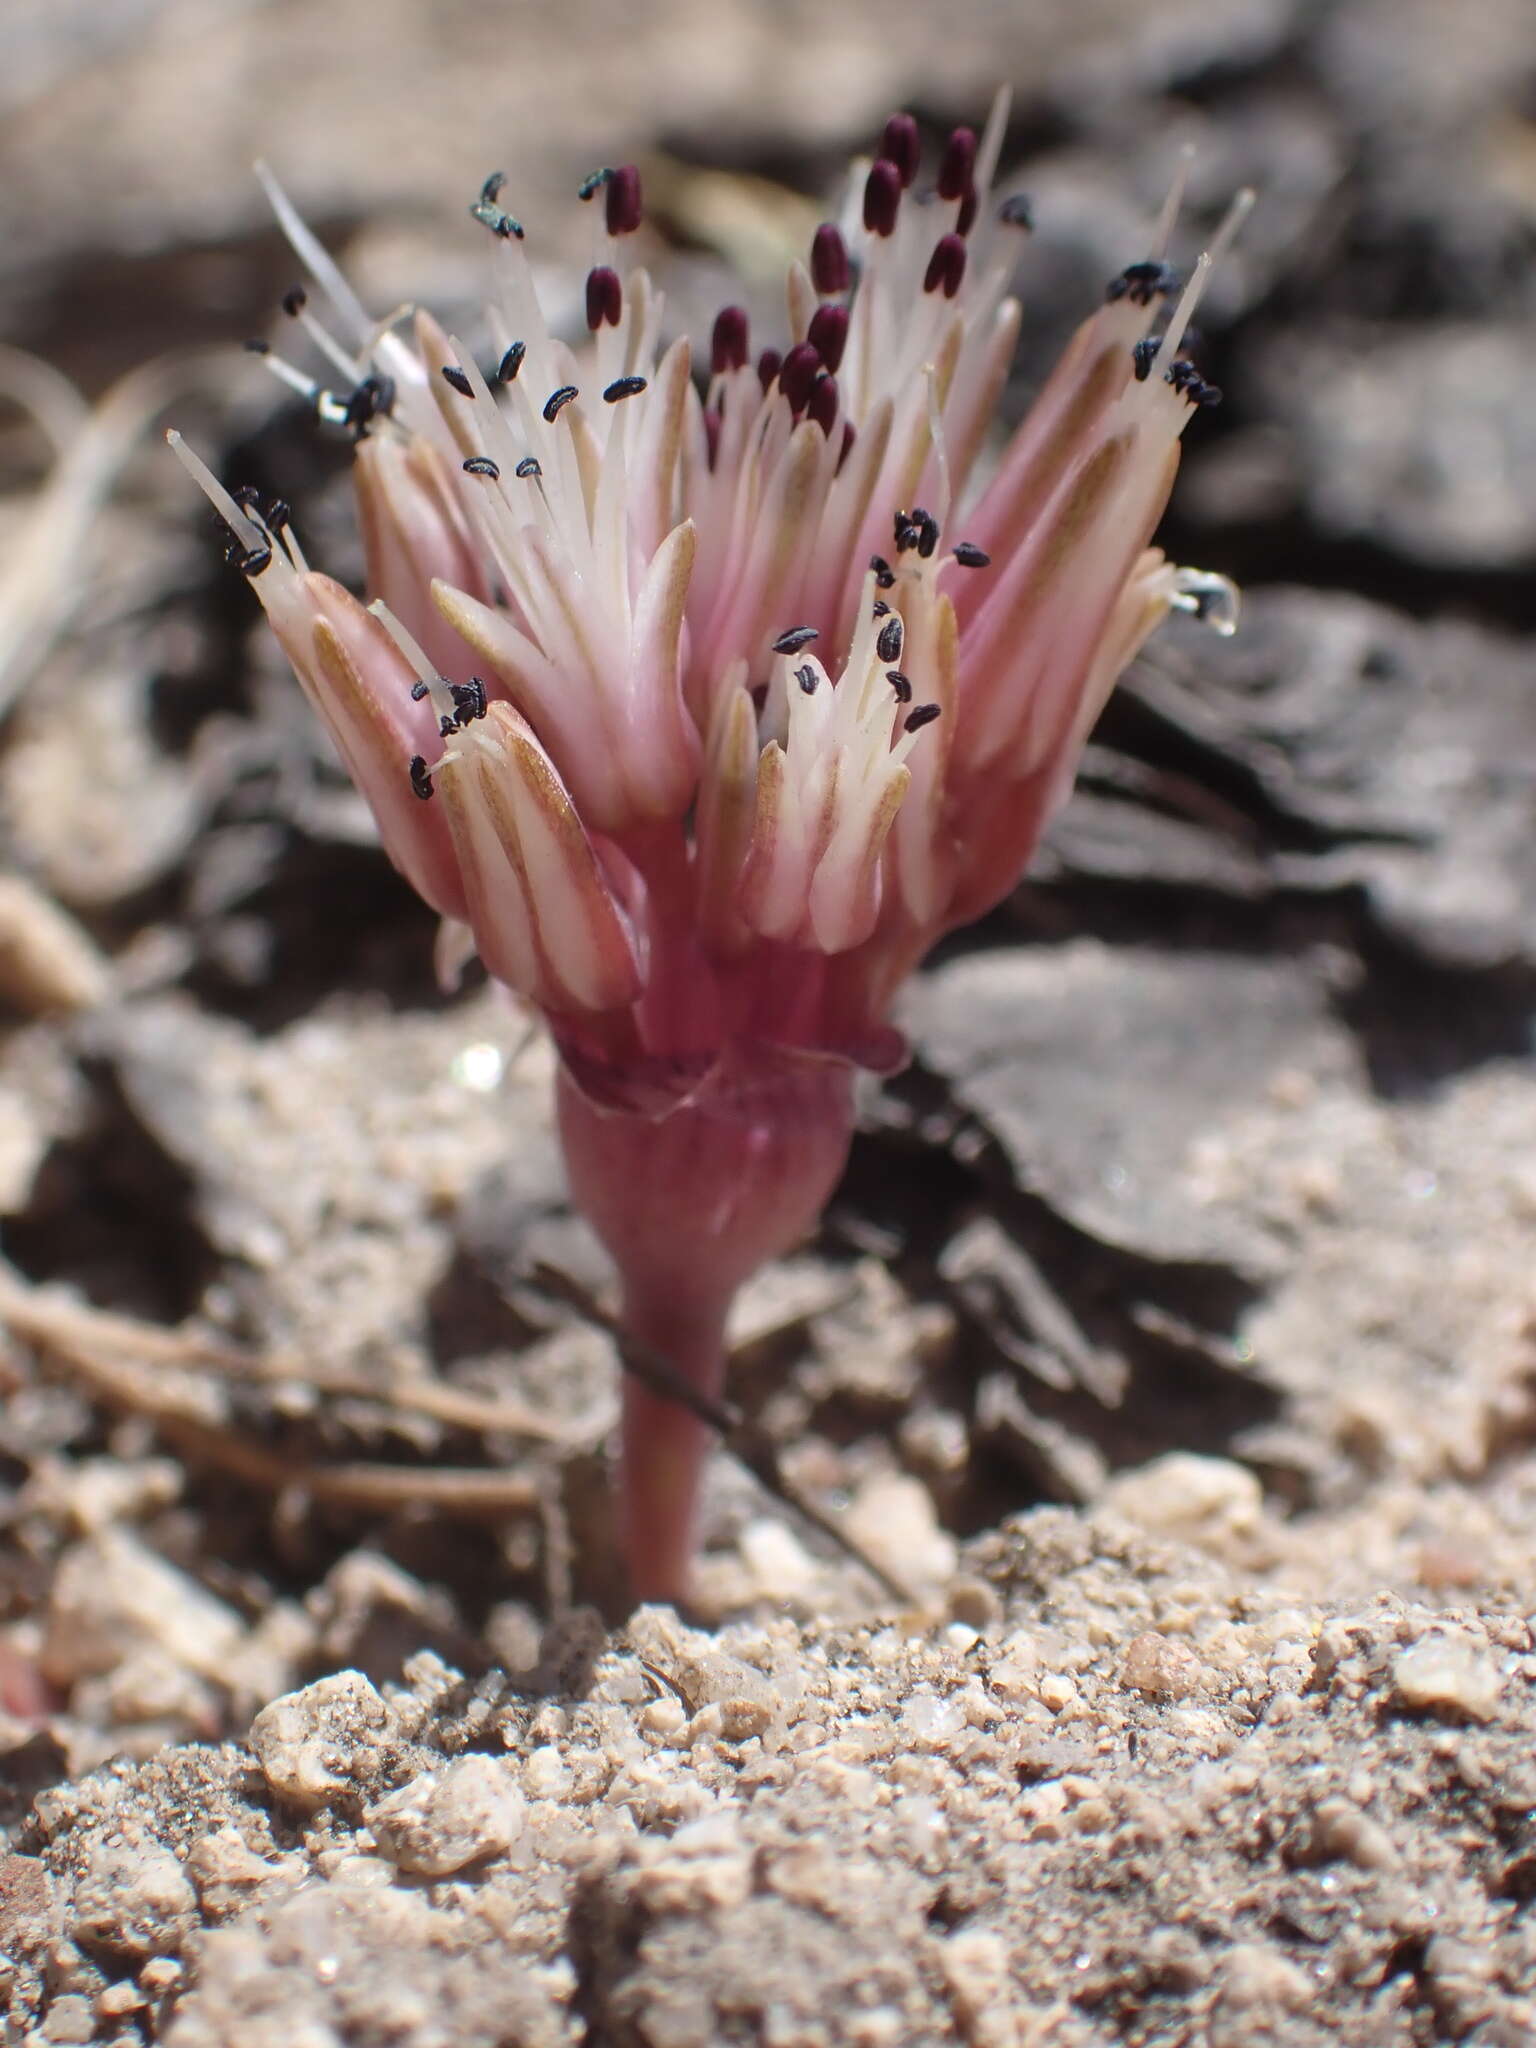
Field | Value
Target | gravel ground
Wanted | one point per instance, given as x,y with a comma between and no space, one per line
1168,1355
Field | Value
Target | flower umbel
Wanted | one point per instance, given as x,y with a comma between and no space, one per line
699,707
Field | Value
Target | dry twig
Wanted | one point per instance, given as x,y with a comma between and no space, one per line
124,1363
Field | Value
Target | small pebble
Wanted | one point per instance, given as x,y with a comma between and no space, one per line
1443,1674
132,1899
443,1820
320,1741
1160,1667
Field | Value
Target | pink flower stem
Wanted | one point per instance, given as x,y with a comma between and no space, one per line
664,1444
689,1205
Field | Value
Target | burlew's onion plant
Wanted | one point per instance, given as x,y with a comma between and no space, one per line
699,698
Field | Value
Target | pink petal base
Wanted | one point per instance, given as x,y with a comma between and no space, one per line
690,1206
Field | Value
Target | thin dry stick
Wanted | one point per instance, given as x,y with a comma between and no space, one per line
63,1324
179,1415
469,1490
737,1433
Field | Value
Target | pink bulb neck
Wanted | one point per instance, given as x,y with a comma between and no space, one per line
689,1206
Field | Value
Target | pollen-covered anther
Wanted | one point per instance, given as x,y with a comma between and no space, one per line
1190,385
796,637
490,215
1141,283
371,398
917,530
469,701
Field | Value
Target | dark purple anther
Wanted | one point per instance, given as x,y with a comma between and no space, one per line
965,219
882,197
728,343
605,297
1141,283
958,167
768,367
1189,383
797,373
621,198
946,266
901,145
828,334
823,404
830,271
794,638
